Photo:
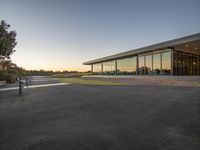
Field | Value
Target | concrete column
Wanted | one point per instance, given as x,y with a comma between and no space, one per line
172,62
161,63
115,67
92,69
198,65
102,68
152,65
137,65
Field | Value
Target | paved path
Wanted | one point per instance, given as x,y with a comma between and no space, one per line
32,86
85,117
34,82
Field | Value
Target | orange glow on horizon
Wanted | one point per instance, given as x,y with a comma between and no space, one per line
80,69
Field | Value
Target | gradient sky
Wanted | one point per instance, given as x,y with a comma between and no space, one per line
61,34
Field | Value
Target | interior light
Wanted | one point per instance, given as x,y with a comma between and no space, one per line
196,48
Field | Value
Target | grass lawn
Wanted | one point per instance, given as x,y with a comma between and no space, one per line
70,75
91,82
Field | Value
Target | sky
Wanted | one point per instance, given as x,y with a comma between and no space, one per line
61,34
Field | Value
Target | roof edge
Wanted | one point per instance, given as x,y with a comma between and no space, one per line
164,44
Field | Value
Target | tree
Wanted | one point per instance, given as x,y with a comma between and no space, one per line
7,40
5,64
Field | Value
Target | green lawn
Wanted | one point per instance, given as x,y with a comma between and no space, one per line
90,82
70,75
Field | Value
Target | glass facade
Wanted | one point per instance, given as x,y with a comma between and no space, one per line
127,66
156,64
109,68
96,69
159,63
166,63
186,63
148,65
141,65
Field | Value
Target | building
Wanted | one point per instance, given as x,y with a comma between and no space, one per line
175,57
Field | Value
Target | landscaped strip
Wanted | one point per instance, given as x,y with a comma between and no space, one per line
71,75
89,82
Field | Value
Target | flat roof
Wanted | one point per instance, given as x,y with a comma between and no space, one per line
165,44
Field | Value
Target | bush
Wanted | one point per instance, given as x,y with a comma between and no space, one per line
9,78
2,75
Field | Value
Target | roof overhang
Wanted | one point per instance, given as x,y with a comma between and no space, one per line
188,43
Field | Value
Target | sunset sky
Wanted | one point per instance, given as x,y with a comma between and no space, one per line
61,34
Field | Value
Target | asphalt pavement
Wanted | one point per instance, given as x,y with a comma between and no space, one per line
88,117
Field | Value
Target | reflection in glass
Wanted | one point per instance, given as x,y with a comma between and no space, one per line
148,65
126,66
166,63
186,63
109,68
156,64
96,69
190,64
198,65
195,62
141,65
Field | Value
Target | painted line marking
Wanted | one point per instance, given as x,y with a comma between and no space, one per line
11,88
33,86
45,85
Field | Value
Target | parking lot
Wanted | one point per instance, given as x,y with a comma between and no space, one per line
89,117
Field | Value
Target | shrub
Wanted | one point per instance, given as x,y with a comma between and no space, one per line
9,78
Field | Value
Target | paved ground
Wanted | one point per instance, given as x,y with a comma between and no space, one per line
80,117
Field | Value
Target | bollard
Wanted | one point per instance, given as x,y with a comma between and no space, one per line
27,81
21,87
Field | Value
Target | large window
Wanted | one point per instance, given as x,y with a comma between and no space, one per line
126,66
109,68
166,63
96,69
195,64
156,64
185,63
141,65
148,65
